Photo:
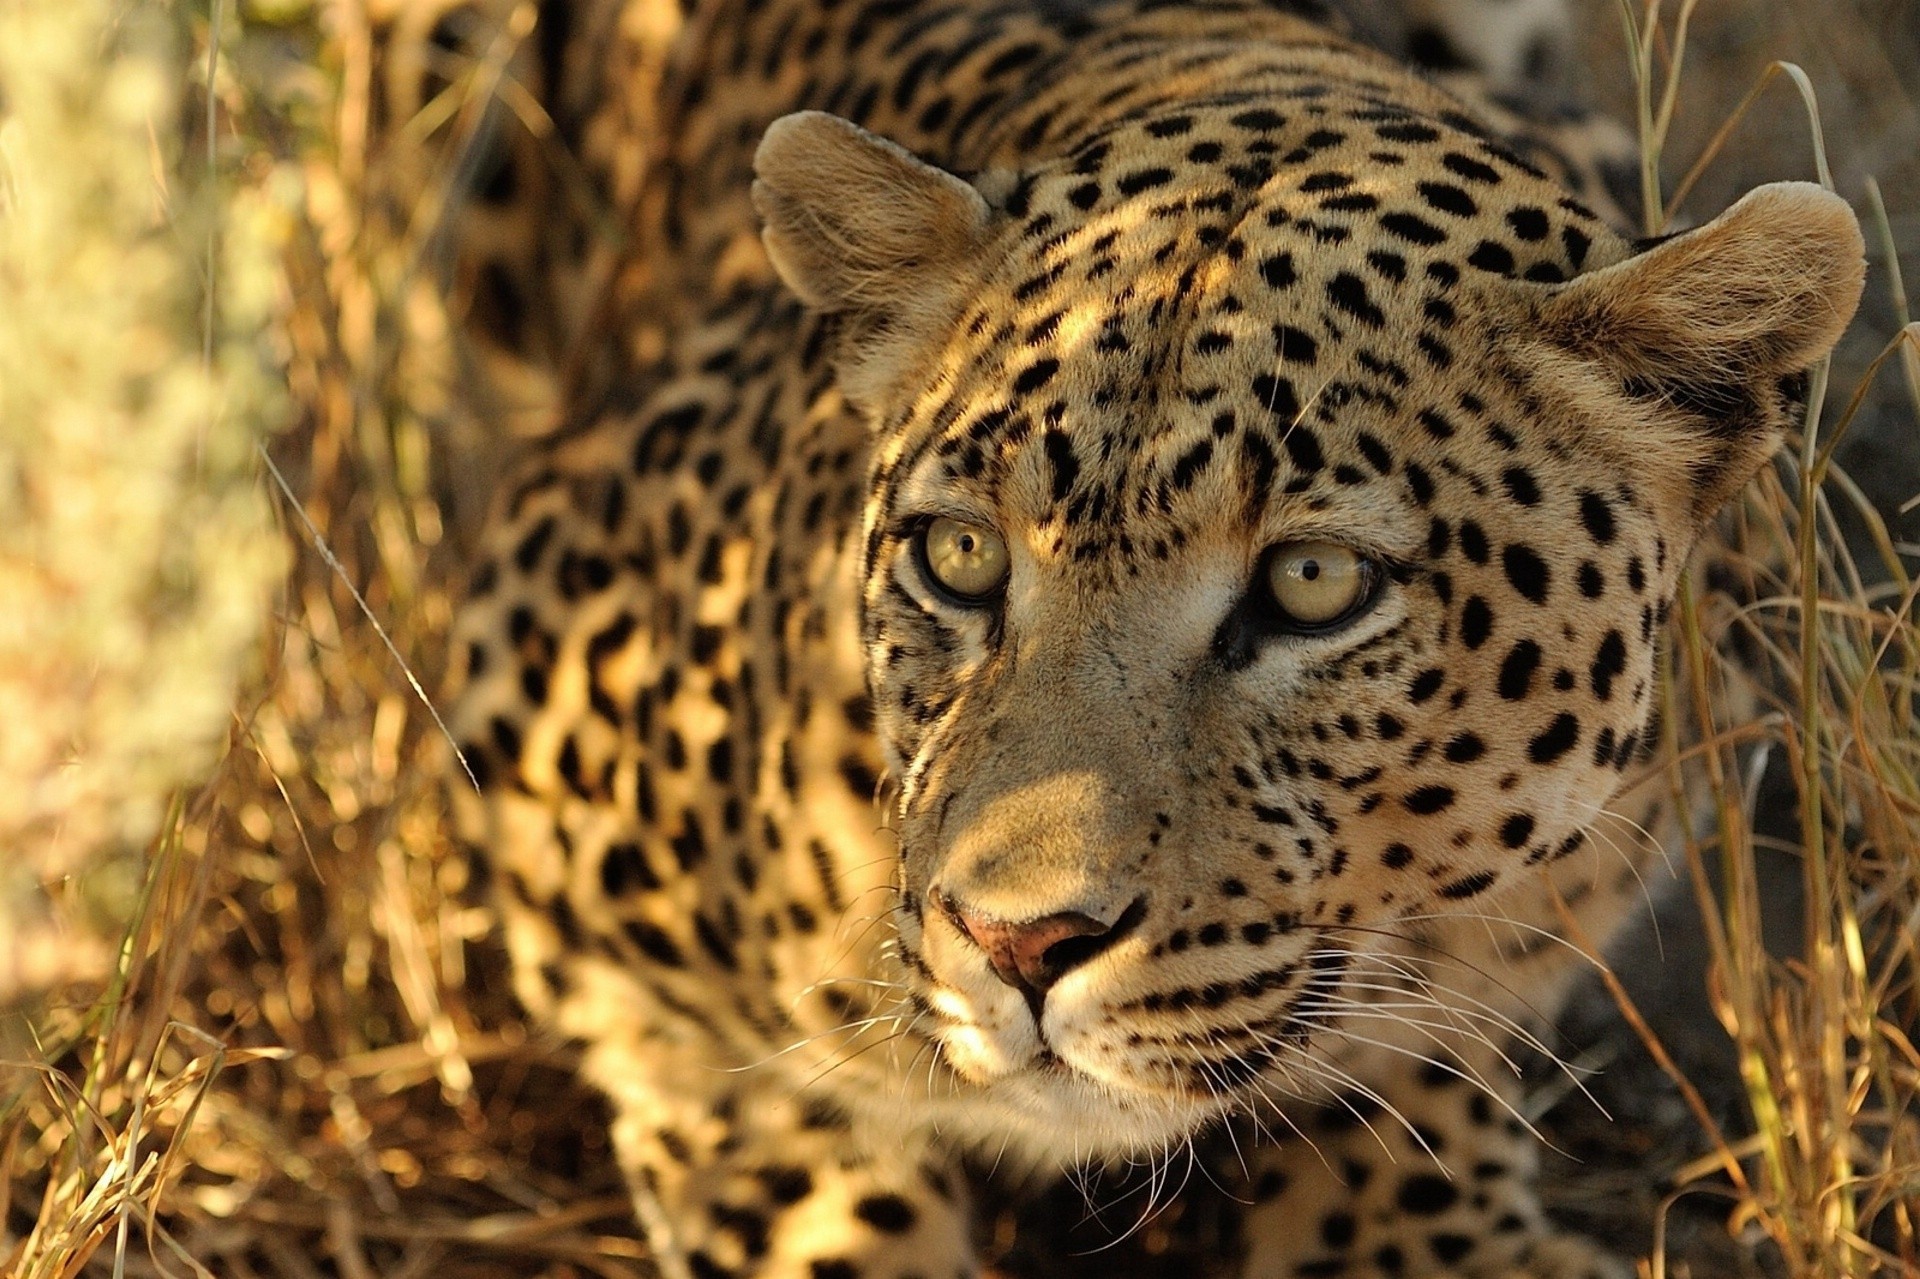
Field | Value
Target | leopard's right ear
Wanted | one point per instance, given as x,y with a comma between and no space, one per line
859,227
1707,332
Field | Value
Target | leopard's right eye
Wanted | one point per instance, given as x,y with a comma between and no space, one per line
968,562
1318,585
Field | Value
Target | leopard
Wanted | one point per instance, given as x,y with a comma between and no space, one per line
1121,612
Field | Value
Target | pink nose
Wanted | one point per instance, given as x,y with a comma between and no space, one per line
1033,954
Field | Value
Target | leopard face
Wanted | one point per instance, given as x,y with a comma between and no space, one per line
1272,514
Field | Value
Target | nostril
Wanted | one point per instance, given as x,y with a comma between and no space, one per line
1071,951
1032,955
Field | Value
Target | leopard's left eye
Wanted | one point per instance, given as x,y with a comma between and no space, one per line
1318,585
967,561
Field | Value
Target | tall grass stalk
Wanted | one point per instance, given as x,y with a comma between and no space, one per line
1823,1037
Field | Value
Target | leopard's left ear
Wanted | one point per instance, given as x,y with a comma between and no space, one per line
859,227
1708,326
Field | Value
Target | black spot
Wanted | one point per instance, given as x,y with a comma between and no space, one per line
1390,265
533,684
1495,259
690,845
1516,830
1516,672
1035,376
1376,453
624,869
1010,59
1556,740
1144,180
1258,120
1592,584
1419,483
702,1266
1427,1194
1408,131
1430,799
1394,856
665,434
705,642
1608,664
1465,748
1425,685
1190,464
1476,622
786,1185
654,943
822,1114
1084,196
1448,198
1577,242
1262,465
1276,393
1294,345
1412,228
1597,515
1060,456
1529,224
1349,292
889,1214
1278,271
1468,885
832,1269
528,552
1470,168
1473,542
506,737
720,760
1527,571
1520,485
859,777
1304,448
568,766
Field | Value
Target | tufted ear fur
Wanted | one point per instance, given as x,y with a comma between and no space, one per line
1712,326
861,228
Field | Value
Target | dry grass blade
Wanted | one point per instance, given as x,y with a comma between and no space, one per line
1823,1040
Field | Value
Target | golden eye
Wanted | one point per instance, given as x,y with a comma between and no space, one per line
1317,584
968,561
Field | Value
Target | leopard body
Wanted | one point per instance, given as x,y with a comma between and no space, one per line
848,844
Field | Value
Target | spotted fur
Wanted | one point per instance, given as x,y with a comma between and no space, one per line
839,874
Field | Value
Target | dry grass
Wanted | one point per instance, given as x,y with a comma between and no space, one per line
1820,653
301,1059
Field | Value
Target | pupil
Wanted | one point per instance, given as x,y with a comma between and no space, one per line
1310,570
966,543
